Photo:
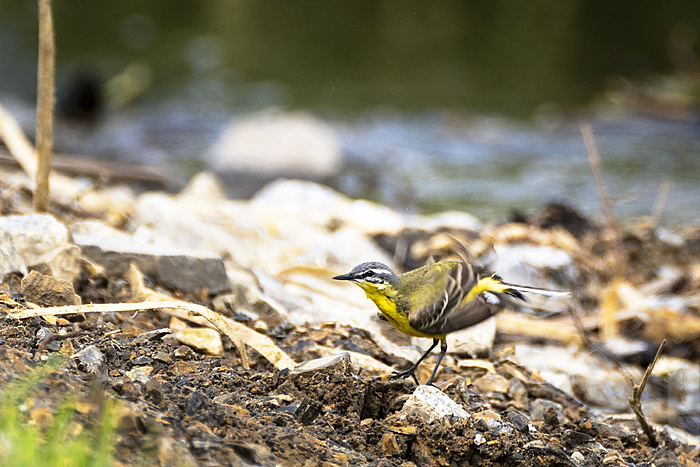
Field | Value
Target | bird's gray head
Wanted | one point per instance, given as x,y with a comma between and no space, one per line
372,272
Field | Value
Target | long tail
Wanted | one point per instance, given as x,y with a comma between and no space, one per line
536,290
515,290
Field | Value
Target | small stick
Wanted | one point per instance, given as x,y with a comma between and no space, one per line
636,400
44,106
603,197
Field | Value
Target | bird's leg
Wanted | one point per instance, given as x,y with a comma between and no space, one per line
412,371
443,349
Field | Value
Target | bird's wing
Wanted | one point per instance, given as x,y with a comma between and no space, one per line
436,309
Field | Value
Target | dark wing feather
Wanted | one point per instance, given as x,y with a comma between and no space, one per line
442,315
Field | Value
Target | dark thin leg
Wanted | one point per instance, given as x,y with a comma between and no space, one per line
443,349
412,371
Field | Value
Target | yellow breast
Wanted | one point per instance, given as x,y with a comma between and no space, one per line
387,306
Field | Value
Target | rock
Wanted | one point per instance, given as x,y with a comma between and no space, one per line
113,203
491,383
307,411
474,340
10,257
141,374
156,334
184,270
195,402
602,390
339,363
184,352
62,263
539,410
581,375
277,144
206,340
322,206
204,187
163,357
392,444
431,404
48,291
28,237
90,359
172,452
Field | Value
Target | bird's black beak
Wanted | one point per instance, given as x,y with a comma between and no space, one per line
343,277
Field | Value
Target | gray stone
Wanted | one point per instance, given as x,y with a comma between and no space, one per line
185,270
90,359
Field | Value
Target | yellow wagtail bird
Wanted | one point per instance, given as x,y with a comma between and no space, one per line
435,300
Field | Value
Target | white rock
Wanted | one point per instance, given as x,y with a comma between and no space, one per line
10,257
431,404
278,144
29,237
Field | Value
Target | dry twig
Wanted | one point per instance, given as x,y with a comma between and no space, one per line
636,400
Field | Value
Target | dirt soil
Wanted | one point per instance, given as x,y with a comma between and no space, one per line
183,408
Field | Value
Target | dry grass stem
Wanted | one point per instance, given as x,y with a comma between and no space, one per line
45,105
603,196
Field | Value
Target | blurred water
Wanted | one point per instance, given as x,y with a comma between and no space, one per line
437,106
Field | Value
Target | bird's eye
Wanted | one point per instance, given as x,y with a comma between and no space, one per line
368,273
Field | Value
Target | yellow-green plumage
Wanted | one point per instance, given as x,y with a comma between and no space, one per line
434,300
